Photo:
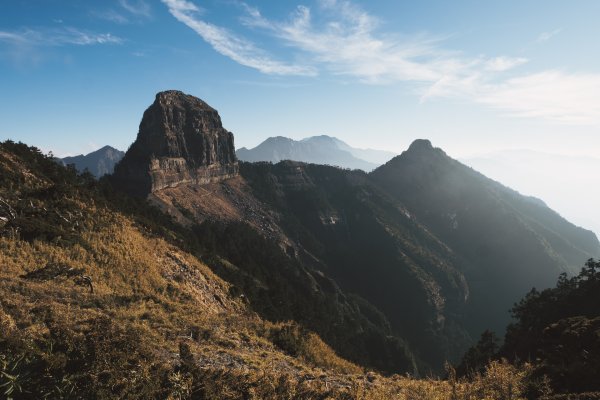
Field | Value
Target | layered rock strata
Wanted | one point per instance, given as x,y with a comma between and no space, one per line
180,140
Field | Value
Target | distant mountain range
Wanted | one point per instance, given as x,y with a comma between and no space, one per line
99,162
322,149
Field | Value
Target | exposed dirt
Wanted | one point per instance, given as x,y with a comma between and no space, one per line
230,200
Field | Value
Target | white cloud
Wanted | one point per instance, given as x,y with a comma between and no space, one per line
112,16
347,43
230,45
342,38
504,63
545,36
139,8
12,37
57,37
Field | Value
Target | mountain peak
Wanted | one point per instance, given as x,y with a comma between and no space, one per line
171,98
106,149
321,149
320,138
421,145
278,139
180,140
99,162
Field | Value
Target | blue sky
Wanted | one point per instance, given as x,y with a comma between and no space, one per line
474,77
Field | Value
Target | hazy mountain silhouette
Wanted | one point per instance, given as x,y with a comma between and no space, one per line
99,162
316,149
507,242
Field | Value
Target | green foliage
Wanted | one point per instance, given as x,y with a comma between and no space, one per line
479,356
558,329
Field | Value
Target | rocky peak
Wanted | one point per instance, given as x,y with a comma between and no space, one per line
421,151
180,140
420,145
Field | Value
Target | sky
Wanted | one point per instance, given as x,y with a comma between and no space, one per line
474,77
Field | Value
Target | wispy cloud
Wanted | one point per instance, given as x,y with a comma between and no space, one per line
139,8
343,39
111,15
27,47
545,36
129,11
346,42
57,37
504,63
230,45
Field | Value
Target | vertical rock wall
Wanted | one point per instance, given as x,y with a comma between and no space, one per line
180,140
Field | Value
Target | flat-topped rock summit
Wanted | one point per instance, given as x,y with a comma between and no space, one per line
180,140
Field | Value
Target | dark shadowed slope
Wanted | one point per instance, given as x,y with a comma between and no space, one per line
507,242
370,245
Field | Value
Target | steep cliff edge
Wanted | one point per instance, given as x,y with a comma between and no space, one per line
180,140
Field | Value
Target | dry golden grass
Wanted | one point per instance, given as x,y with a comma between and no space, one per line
167,297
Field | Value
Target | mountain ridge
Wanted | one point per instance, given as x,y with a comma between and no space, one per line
404,225
98,162
457,203
322,149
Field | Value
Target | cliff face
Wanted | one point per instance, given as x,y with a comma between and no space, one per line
180,140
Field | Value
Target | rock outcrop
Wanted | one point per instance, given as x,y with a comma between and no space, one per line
180,140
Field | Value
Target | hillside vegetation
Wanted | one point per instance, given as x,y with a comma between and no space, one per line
559,329
105,297
556,332
97,302
101,299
